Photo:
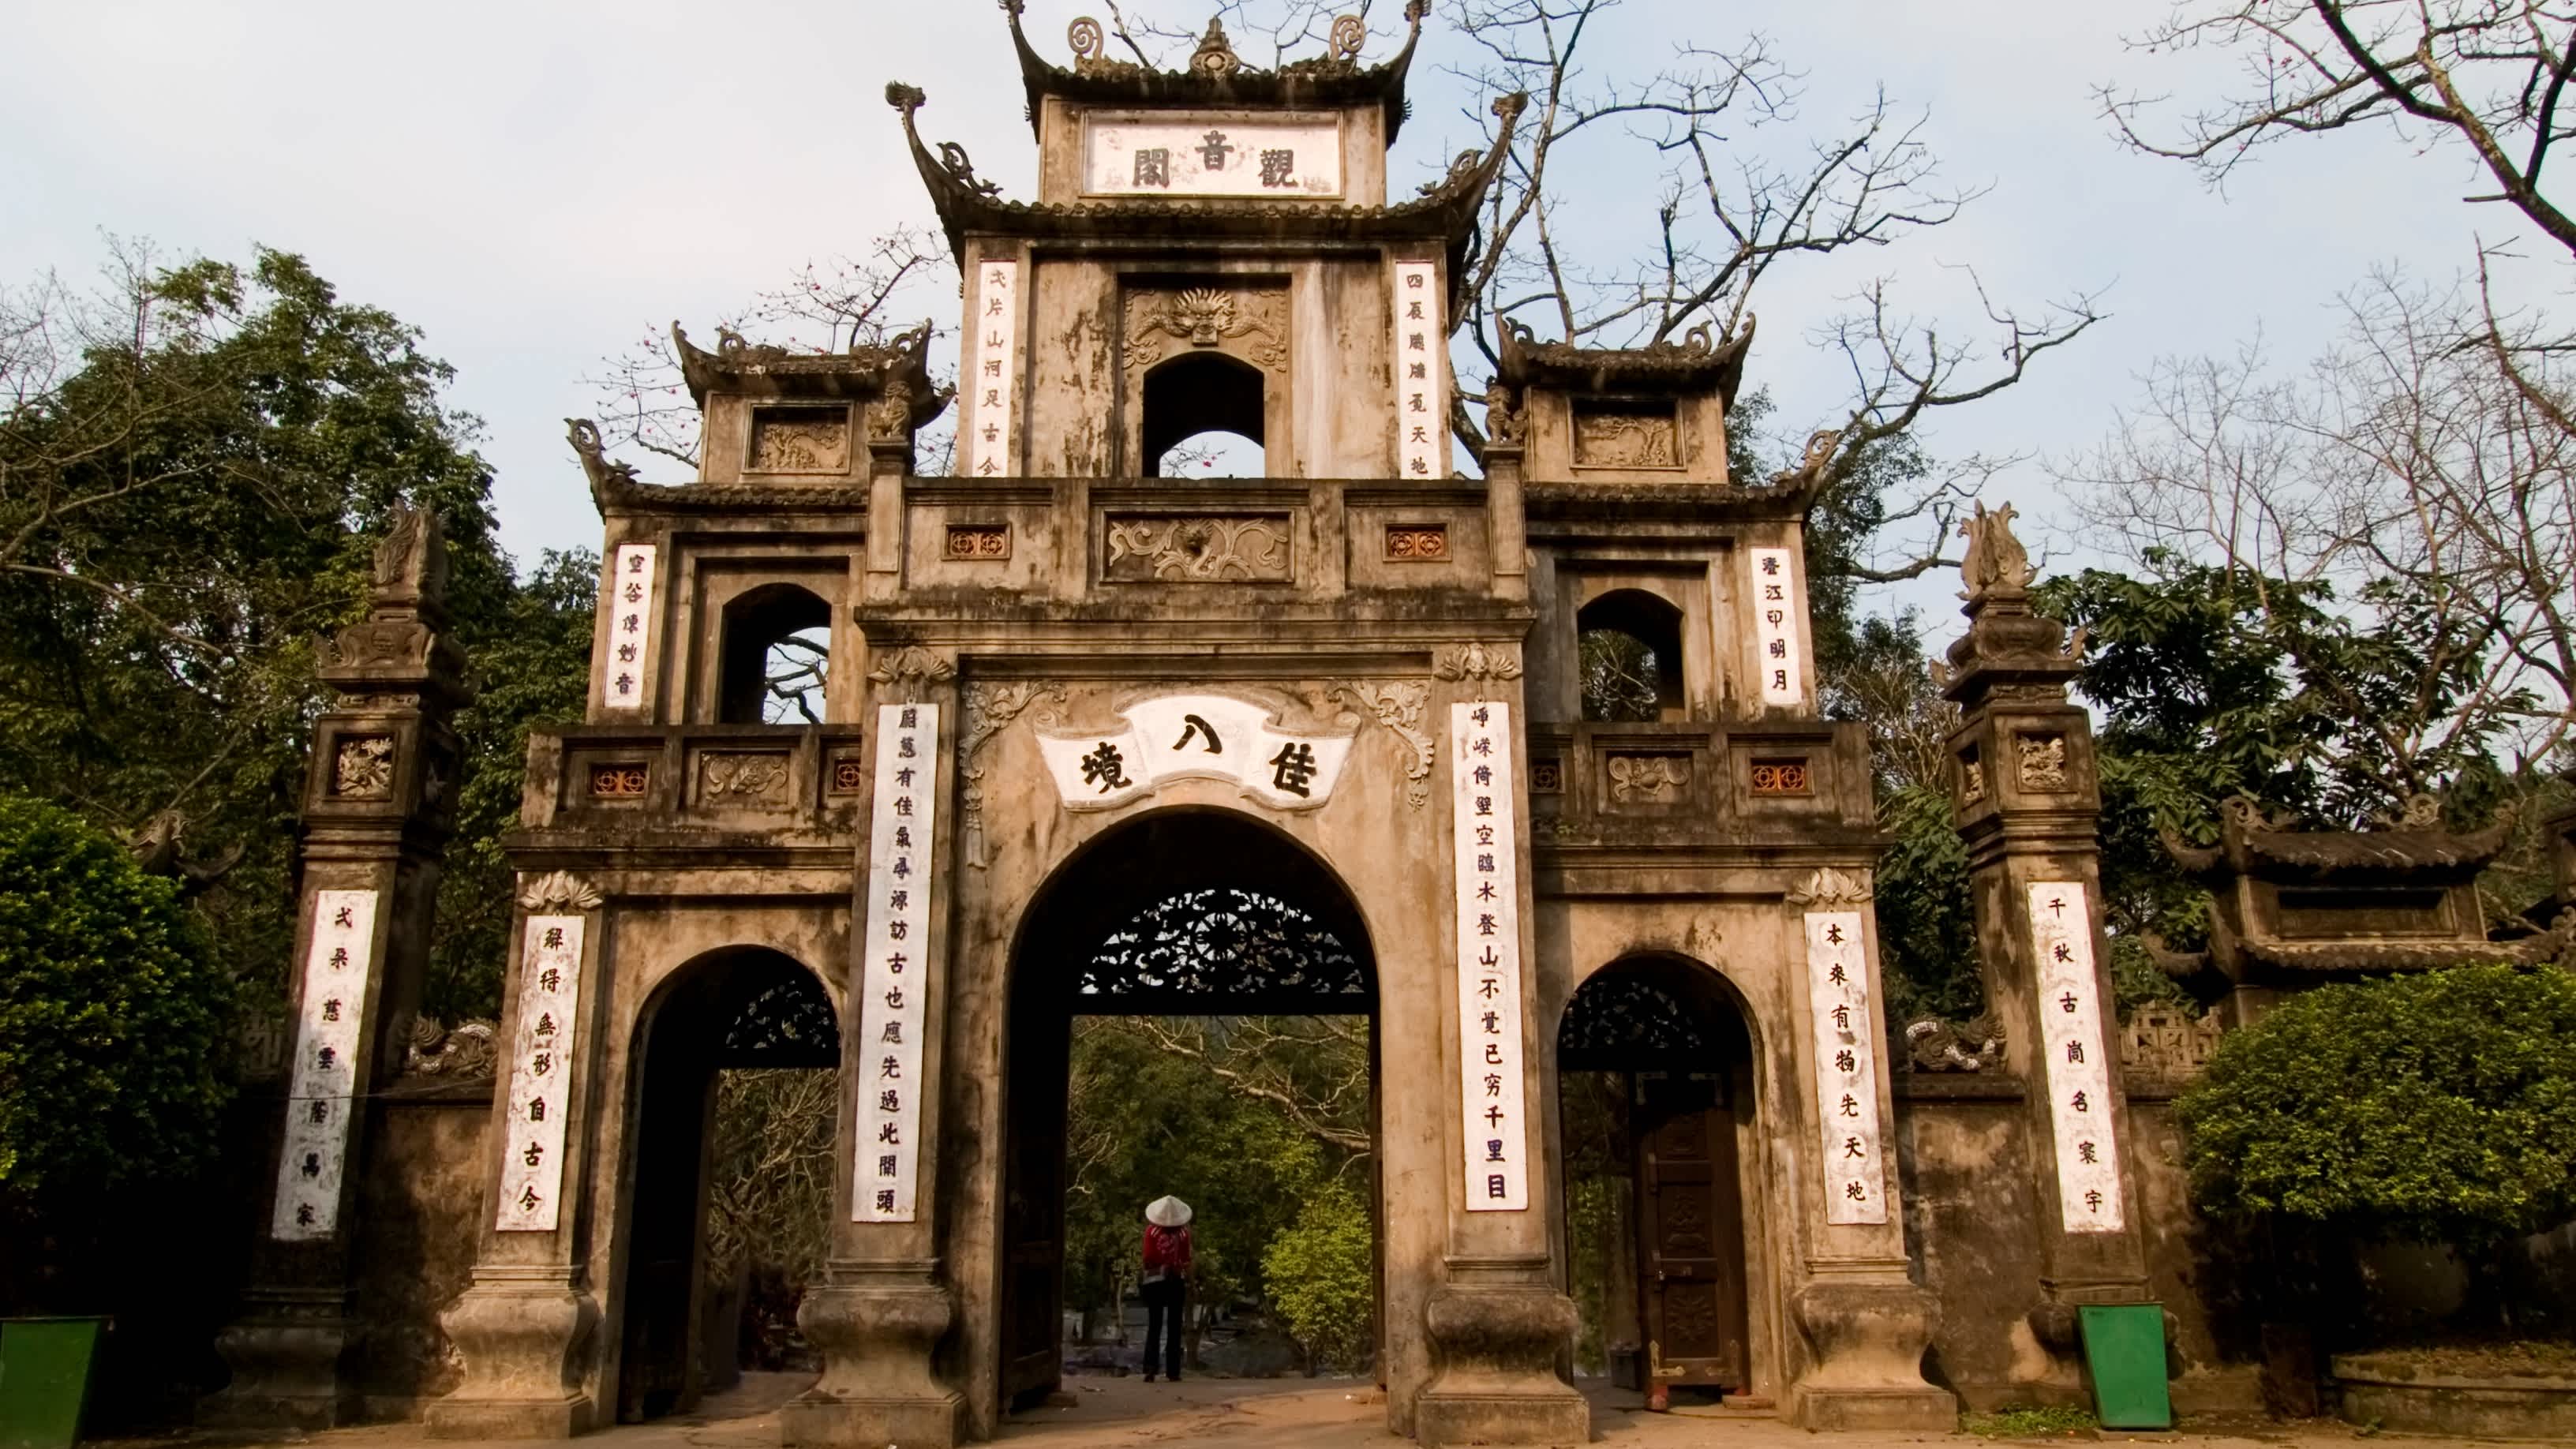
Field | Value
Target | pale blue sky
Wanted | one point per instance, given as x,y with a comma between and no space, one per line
534,185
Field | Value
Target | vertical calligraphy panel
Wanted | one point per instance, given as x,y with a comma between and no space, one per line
540,1068
1846,1068
630,627
992,337
885,1155
2071,1045
322,1087
1487,853
1421,372
1777,611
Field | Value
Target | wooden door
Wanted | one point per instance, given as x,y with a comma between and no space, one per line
1690,1232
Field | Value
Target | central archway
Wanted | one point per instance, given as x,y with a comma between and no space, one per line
1183,912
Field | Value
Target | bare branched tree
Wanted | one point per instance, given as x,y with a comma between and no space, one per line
1725,215
1275,1058
2489,77
2431,448
859,301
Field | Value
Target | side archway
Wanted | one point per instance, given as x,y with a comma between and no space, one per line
1656,1083
744,1007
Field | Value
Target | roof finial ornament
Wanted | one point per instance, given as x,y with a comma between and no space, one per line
1215,58
1996,565
1088,40
1349,33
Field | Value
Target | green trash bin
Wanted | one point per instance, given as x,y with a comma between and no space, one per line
2124,1350
44,1379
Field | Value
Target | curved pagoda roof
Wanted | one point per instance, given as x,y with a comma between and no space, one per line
765,370
1694,364
1444,211
2414,844
1217,77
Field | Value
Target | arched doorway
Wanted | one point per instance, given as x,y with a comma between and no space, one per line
1191,913
739,1008
1655,1082
1200,398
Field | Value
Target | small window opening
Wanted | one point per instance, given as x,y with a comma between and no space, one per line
777,657
1629,648
1203,418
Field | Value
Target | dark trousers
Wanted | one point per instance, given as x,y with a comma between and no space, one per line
1163,1325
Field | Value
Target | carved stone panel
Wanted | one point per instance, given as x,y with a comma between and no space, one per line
362,768
2042,761
752,779
1208,549
799,440
1613,434
1247,322
1649,779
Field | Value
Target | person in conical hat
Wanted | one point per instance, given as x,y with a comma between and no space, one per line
1167,1282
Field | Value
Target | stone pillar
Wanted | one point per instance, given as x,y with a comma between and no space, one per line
1865,1321
2029,804
884,1305
525,1325
1499,1322
379,799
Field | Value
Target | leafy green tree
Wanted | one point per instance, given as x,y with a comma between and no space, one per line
1322,1277
194,466
113,1017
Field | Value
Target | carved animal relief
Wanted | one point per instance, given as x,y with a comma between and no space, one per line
745,779
1161,321
800,440
2043,761
1625,438
1198,550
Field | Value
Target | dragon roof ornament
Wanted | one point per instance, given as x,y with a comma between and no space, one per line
1446,210
1216,76
1697,362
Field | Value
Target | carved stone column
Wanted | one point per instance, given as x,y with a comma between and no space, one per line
2029,805
378,801
884,1305
1498,1323
525,1326
1865,1321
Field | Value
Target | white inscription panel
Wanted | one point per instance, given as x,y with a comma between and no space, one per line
2074,1050
1212,158
1195,736
323,1084
1846,1068
903,835
1777,613
1421,373
990,342
1486,849
540,1066
630,627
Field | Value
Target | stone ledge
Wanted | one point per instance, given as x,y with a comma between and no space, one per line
2386,1391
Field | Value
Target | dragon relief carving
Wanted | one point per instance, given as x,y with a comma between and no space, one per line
363,768
1201,550
989,707
1399,706
1207,317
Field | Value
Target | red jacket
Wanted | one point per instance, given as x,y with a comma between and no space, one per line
1167,1250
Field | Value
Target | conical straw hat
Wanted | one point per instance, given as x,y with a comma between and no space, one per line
1168,1212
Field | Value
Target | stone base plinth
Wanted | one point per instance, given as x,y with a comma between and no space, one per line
1442,1419
876,1324
453,1418
866,1423
1868,1335
523,1333
1494,1343
285,1362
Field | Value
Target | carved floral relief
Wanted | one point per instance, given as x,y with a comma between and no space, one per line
363,768
1648,779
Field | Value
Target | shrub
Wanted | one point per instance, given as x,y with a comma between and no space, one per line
1322,1277
2438,1107
113,1015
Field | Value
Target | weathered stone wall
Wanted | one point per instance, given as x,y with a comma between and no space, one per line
420,1221
1963,1146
